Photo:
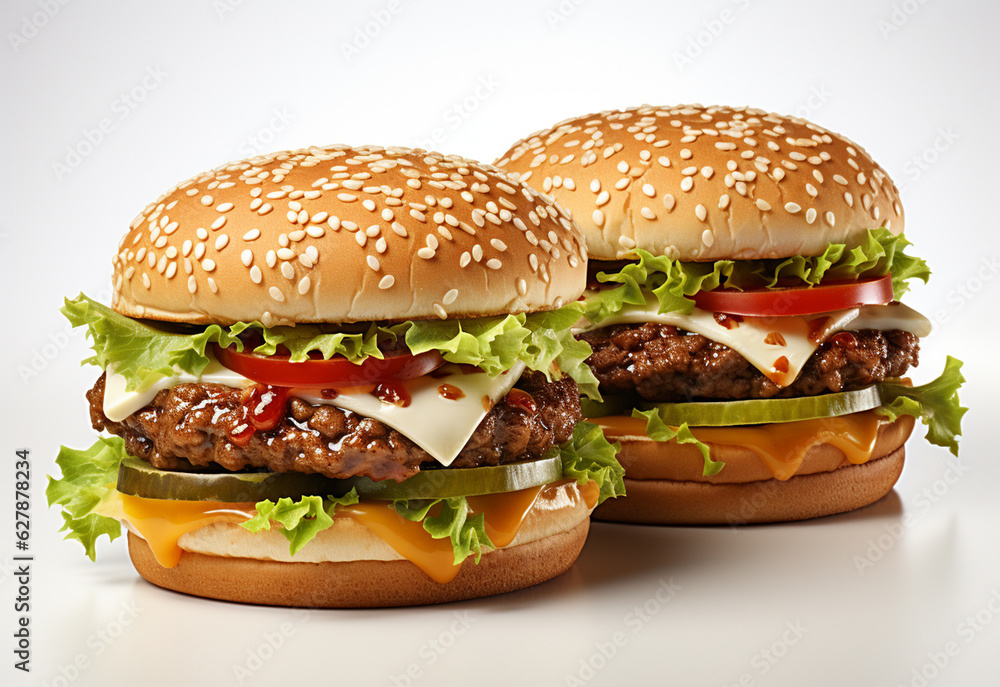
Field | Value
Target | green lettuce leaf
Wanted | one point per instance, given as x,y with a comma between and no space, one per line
936,404
658,430
541,340
140,352
674,282
300,520
143,352
590,457
88,479
468,535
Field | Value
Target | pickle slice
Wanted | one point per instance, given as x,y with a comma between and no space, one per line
766,410
138,478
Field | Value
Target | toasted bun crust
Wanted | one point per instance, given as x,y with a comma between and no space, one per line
348,566
665,485
707,183
342,234
362,583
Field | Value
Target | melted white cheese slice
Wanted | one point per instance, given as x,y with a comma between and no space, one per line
119,403
439,425
777,346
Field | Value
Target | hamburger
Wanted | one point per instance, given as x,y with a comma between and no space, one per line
341,377
743,307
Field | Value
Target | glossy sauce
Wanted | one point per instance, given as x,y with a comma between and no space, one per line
262,407
392,393
519,398
844,339
816,328
726,320
450,392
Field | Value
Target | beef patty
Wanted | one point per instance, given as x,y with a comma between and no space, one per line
185,426
661,363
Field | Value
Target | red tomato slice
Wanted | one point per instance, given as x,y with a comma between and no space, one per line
797,301
337,372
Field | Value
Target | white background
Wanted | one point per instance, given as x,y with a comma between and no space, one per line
875,596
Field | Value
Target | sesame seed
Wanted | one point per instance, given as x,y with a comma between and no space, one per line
649,190
522,287
647,213
201,233
465,259
792,207
626,242
602,198
255,274
668,202
222,241
830,218
700,212
598,218
687,183
285,254
663,160
386,282
247,257
287,270
304,285
762,204
595,186
685,154
219,222
450,297
707,237
265,208
426,253
276,294
810,215
374,263
192,284
811,190
208,265
223,207
207,200
440,311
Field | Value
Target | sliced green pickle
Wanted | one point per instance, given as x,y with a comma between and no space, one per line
767,410
138,478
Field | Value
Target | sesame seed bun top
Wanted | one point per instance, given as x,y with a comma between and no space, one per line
707,183
347,234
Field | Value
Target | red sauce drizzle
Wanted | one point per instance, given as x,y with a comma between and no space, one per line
844,339
726,320
452,393
329,394
816,328
262,408
521,399
392,393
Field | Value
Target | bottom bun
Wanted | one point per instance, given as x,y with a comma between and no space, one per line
827,484
362,583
